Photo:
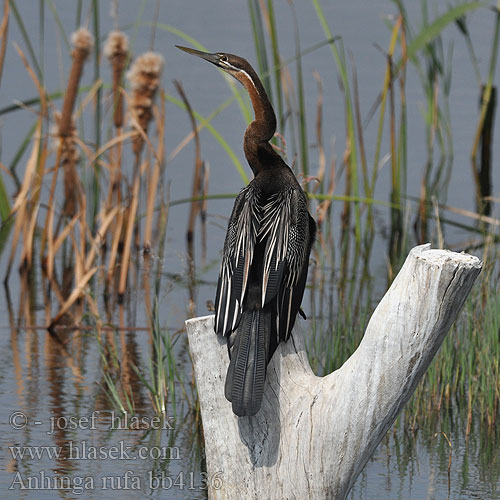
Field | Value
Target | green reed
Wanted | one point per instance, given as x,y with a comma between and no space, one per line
465,373
155,374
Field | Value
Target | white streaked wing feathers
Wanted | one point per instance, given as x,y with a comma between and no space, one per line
281,223
284,220
237,259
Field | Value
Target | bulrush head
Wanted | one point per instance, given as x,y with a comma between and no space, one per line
144,77
82,42
116,44
116,49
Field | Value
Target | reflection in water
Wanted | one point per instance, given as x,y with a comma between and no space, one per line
56,357
81,438
417,464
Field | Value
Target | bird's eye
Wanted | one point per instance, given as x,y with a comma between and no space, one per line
222,58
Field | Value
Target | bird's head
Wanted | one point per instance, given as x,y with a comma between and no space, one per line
236,66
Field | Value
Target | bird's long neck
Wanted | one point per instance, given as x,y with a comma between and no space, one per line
259,153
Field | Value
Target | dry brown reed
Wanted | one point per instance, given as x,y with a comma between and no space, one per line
319,134
82,45
129,225
196,206
482,173
116,49
69,157
69,246
203,211
144,77
153,182
26,203
82,42
4,25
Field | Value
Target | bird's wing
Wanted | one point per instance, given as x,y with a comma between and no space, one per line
236,261
285,226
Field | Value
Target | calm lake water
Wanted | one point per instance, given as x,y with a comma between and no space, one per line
55,419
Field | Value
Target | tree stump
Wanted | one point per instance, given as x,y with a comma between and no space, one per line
313,435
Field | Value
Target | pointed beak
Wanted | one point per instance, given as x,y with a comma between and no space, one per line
213,58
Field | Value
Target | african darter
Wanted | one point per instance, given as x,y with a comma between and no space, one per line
266,252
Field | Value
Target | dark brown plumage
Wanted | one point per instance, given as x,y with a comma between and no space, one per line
266,252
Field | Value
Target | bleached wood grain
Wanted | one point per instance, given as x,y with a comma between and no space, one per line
313,435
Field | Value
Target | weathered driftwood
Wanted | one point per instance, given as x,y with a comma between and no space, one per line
313,435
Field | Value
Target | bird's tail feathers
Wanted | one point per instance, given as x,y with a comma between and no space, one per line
246,374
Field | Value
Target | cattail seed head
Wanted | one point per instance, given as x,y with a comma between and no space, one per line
82,45
144,77
116,49
116,44
82,41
